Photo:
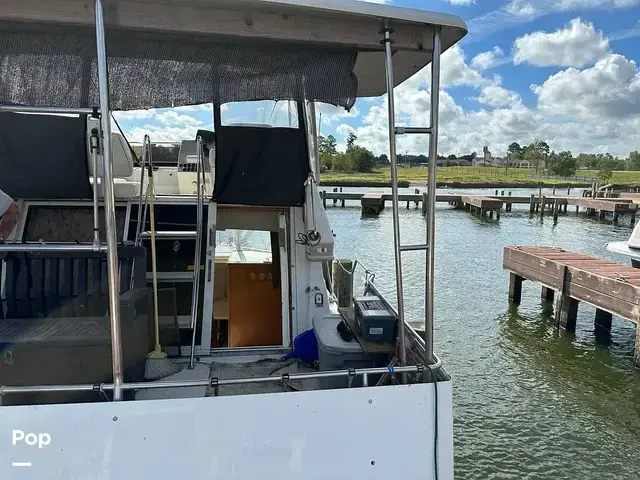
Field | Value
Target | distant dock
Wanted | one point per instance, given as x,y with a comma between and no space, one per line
372,203
570,277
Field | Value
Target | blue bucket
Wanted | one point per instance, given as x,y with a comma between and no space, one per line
305,347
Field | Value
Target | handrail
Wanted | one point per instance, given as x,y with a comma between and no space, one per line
196,261
146,152
51,247
215,382
51,110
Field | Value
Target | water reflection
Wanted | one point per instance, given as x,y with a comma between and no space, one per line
531,401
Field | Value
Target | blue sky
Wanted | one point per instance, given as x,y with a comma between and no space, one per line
563,71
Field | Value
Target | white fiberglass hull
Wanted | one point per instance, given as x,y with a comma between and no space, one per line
623,248
373,433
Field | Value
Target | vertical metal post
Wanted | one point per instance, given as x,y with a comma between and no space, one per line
313,137
196,261
94,142
109,205
394,190
431,199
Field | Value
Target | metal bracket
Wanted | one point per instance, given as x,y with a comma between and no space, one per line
419,373
8,357
215,385
351,376
285,382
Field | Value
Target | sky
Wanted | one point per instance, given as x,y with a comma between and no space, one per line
562,71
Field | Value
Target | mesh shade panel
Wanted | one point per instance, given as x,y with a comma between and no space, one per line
56,66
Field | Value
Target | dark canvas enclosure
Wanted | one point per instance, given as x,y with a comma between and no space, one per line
260,166
43,157
56,66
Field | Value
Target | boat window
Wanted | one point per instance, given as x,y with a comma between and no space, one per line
241,240
264,113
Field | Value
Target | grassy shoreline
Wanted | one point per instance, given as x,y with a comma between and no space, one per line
467,177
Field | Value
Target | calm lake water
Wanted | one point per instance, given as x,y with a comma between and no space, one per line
529,401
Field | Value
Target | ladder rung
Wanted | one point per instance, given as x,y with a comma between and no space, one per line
403,130
412,248
177,235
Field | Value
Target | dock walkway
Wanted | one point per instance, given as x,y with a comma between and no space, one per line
610,287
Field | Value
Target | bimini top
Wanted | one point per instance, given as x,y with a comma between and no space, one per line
164,53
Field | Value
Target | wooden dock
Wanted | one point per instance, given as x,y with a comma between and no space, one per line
482,205
372,203
612,288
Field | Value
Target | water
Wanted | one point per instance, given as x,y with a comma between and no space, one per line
529,402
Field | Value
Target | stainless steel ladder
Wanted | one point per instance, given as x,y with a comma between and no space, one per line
432,131
175,235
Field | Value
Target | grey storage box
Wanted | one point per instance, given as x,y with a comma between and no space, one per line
336,354
376,321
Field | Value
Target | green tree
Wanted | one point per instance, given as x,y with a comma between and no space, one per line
452,157
342,162
606,172
351,140
563,164
633,162
362,159
327,145
327,150
514,152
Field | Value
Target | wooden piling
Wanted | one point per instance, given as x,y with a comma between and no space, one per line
566,307
547,294
555,209
603,321
532,204
342,282
515,288
335,200
323,195
424,203
543,204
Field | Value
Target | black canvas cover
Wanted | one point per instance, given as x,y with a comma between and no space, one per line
46,65
260,166
43,157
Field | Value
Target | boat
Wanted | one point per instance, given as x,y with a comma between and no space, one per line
629,248
271,373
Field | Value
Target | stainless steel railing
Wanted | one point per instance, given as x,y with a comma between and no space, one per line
196,261
215,382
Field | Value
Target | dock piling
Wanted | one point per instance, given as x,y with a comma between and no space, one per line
342,281
323,195
547,294
602,322
556,207
515,288
532,204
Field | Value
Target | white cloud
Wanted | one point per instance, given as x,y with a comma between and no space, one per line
575,45
455,71
522,9
172,117
490,59
461,2
134,114
608,90
517,12
497,96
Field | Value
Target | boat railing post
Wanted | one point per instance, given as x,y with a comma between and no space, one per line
394,189
146,150
94,143
195,297
431,199
109,204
